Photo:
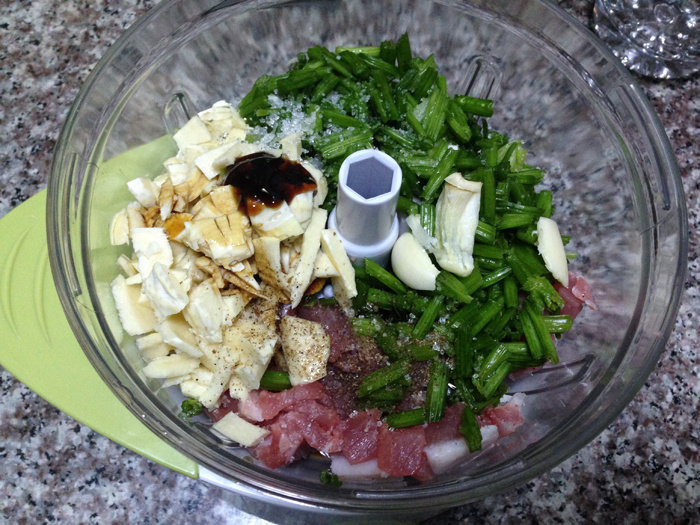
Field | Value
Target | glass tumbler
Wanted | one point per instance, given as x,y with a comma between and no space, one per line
656,38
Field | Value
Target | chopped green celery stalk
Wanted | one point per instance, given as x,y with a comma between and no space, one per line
545,338
514,153
337,117
514,220
516,207
439,149
498,324
301,61
296,80
571,256
488,263
487,250
444,168
386,340
476,106
566,239
319,52
387,300
327,301
464,352
400,137
485,314
275,380
533,342
519,355
367,50
491,157
466,392
487,210
473,281
330,479
415,122
377,64
385,277
544,203
365,326
410,183
467,161
497,356
496,276
510,292
408,418
530,177
543,293
382,377
387,51
360,272
340,143
421,352
518,191
527,234
387,97
390,394
435,113
465,315
379,104
407,206
436,393
495,292
189,408
469,428
404,57
557,324
529,257
427,318
450,285
424,79
457,121
490,384
427,217
485,233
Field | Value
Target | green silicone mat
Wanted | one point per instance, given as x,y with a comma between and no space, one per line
39,349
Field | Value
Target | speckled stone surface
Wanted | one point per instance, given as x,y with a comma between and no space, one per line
645,467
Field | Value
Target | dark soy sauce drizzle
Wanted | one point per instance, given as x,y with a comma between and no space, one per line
262,180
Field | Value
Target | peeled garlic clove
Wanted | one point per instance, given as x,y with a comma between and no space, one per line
551,248
411,263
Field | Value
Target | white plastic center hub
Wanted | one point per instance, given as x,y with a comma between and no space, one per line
365,216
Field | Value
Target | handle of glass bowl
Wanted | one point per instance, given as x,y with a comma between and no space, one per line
39,348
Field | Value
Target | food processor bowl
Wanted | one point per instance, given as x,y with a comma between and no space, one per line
617,192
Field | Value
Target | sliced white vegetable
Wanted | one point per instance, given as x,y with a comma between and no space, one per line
137,317
551,247
174,365
204,312
239,430
194,132
306,347
119,228
167,294
412,264
151,246
177,333
342,468
144,190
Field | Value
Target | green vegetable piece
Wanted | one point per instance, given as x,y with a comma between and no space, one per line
543,294
485,233
544,337
557,324
382,377
190,408
427,318
464,352
330,479
469,428
403,53
476,106
450,285
385,277
275,380
436,394
387,52
496,276
408,418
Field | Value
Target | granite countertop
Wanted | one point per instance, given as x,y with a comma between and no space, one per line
644,467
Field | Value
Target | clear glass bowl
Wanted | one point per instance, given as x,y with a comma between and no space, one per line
616,187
